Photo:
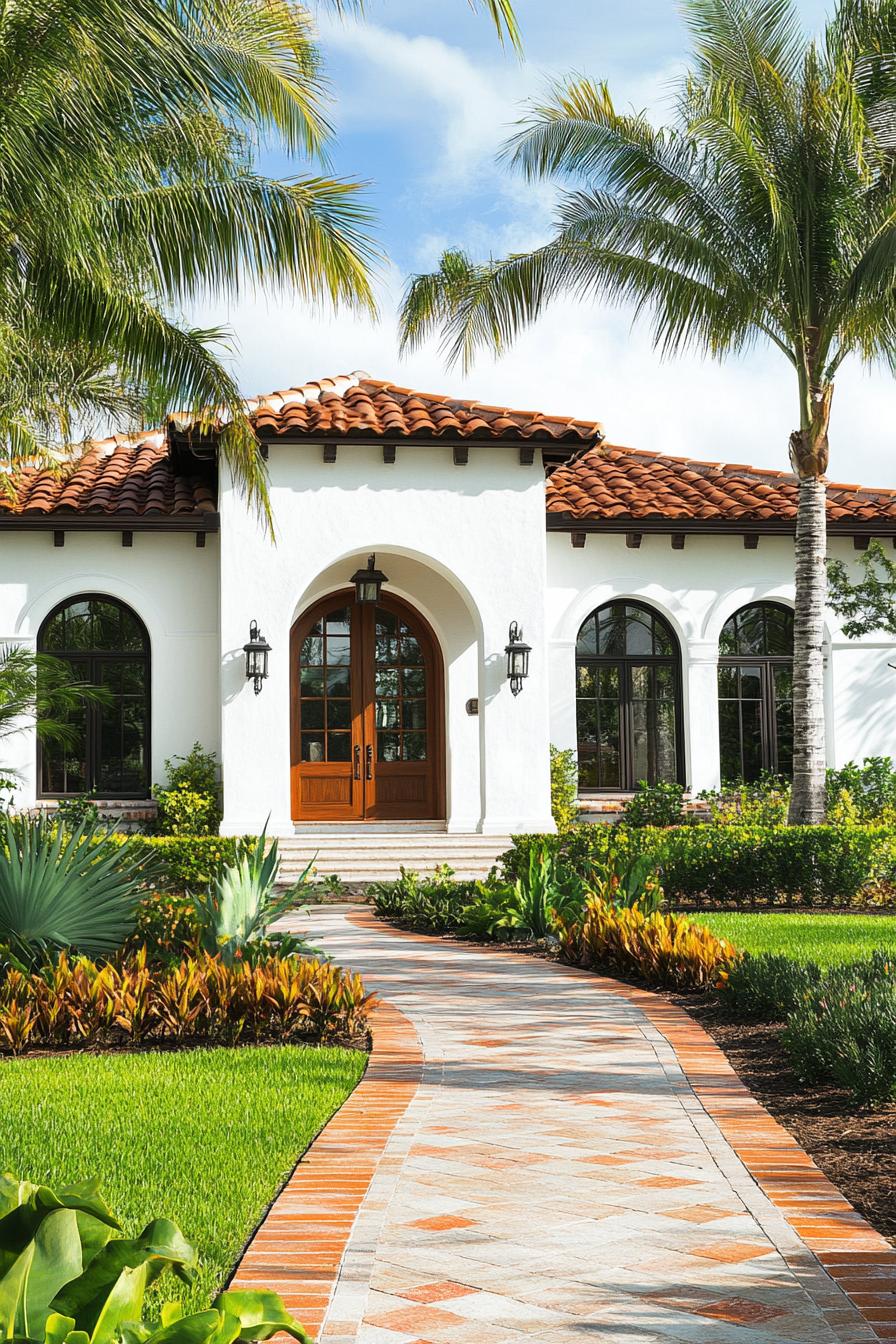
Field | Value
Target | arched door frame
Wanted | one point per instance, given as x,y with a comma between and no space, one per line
624,661
100,656
435,695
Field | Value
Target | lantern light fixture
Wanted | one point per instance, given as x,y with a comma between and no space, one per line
368,582
517,658
256,652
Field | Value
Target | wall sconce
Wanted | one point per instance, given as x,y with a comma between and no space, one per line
517,658
368,582
256,652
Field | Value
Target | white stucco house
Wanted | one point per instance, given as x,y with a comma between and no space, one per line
655,594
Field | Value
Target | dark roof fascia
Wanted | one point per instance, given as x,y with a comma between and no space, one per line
317,440
109,522
859,527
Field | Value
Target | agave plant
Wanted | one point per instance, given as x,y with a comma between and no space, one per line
64,1278
241,903
62,888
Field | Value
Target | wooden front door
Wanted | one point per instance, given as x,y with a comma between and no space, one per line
366,710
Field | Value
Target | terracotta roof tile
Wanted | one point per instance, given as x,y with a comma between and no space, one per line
613,482
125,474
354,405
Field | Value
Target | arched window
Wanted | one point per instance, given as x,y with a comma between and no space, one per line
756,692
105,643
627,698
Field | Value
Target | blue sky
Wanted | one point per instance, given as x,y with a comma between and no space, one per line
423,95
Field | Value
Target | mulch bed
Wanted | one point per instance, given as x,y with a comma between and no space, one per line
854,1146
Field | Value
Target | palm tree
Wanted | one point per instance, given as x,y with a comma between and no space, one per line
40,692
766,212
128,136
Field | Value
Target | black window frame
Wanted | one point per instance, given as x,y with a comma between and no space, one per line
95,658
624,663
767,664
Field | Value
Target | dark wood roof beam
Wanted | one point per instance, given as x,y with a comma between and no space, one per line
389,453
860,543
127,538
527,454
461,454
678,540
578,540
633,540
330,452
751,541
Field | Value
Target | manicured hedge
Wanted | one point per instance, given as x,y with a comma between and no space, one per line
183,863
744,865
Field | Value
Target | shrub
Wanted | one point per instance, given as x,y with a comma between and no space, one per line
64,1279
77,811
664,950
78,1003
764,802
655,805
845,1030
867,790
61,888
564,788
183,863
167,925
768,988
739,864
189,804
433,904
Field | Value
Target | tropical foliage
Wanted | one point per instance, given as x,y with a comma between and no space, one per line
76,1003
241,902
765,212
662,949
65,1279
869,603
39,693
63,889
130,186
840,1021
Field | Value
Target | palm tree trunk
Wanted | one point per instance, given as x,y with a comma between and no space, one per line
809,454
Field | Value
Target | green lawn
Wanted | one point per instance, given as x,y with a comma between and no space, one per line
826,939
204,1137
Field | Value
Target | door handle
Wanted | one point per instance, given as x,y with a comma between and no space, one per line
369,754
357,762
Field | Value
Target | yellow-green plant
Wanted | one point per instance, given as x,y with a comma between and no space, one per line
76,1003
665,950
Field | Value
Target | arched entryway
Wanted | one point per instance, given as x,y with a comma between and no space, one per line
366,710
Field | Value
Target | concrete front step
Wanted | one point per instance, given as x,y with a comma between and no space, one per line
365,856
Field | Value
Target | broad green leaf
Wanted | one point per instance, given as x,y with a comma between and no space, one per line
49,1262
197,1329
261,1313
113,1273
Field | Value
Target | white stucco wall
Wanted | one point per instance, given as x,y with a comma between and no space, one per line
697,589
464,544
173,587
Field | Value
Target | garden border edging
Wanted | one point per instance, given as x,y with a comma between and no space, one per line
298,1249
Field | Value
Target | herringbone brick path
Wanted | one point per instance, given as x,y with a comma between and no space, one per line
579,1163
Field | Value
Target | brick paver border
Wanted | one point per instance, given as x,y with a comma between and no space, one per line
298,1248
860,1261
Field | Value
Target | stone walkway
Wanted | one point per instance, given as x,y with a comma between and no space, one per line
555,1177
